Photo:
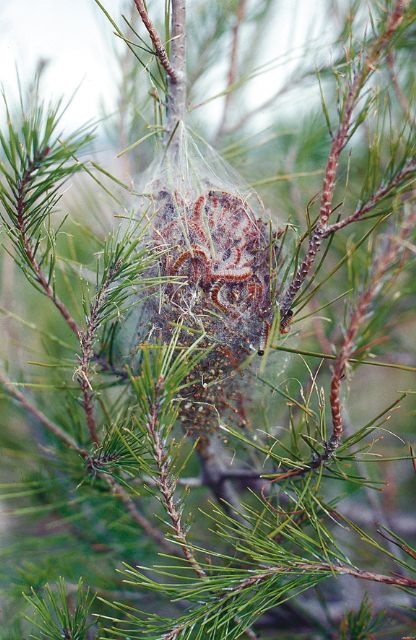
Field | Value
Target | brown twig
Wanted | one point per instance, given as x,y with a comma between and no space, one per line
339,141
86,339
389,255
232,70
302,567
397,90
157,43
40,417
167,484
22,193
141,520
117,489
406,172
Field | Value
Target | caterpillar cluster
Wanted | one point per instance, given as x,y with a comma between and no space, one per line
219,253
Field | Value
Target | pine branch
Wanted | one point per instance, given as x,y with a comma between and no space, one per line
24,185
155,390
37,162
157,43
339,141
165,481
118,491
404,175
87,338
167,486
272,575
390,254
125,260
40,417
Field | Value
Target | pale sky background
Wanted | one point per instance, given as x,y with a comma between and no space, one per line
73,35
77,40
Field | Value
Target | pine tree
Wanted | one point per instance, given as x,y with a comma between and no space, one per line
202,431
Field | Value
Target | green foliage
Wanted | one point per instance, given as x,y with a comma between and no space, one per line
38,159
55,618
118,453
277,555
252,527
361,624
122,273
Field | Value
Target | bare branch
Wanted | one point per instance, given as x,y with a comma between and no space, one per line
155,38
232,70
346,570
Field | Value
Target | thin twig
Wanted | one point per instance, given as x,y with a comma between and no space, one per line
86,339
22,193
301,567
167,484
397,90
117,489
407,171
40,417
339,141
141,520
157,43
232,70
381,265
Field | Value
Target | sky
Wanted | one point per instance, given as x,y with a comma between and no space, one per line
77,40
72,35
